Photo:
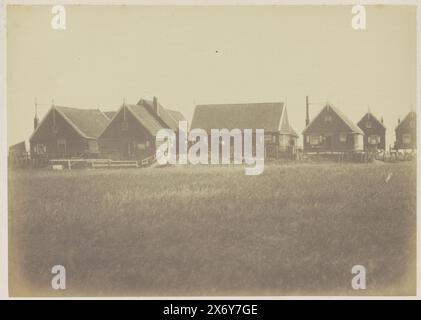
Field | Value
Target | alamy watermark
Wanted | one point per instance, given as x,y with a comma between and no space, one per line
193,147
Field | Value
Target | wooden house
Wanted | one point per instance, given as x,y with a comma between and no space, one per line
406,132
280,137
374,132
67,132
18,154
332,131
131,133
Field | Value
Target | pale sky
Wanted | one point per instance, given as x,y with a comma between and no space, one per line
201,55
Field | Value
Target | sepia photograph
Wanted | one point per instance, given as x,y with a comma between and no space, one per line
211,151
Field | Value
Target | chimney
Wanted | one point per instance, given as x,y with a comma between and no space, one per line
155,105
399,120
382,120
307,115
36,120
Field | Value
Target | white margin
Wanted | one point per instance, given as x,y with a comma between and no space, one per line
3,134
4,279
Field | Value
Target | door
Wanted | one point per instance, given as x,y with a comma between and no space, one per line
328,142
61,148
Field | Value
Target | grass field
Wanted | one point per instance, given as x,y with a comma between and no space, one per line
294,230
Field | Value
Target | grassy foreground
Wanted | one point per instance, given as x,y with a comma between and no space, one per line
294,230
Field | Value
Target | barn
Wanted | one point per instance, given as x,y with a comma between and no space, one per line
331,131
374,132
406,132
67,132
132,131
280,137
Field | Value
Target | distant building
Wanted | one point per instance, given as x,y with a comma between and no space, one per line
280,137
406,132
18,153
374,132
332,131
131,134
67,132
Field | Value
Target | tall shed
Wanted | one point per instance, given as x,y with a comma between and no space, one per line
406,132
332,131
67,132
374,132
280,137
131,134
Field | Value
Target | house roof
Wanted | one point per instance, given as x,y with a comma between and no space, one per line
265,116
176,115
110,114
163,116
145,118
89,123
369,116
314,128
411,115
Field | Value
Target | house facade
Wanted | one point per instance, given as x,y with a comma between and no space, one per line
131,133
406,132
67,132
280,138
332,131
374,132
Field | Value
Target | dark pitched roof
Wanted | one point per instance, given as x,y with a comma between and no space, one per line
89,122
371,117
176,115
145,118
110,114
18,147
265,116
313,128
163,116
411,115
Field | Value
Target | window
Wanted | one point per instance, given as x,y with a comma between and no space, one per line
40,148
368,124
141,146
374,139
342,137
406,138
315,140
124,126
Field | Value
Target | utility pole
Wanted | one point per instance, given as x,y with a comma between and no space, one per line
308,103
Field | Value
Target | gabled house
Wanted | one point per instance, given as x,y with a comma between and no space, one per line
67,132
406,132
280,137
131,133
332,131
374,132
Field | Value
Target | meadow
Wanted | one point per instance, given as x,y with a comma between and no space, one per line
177,231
